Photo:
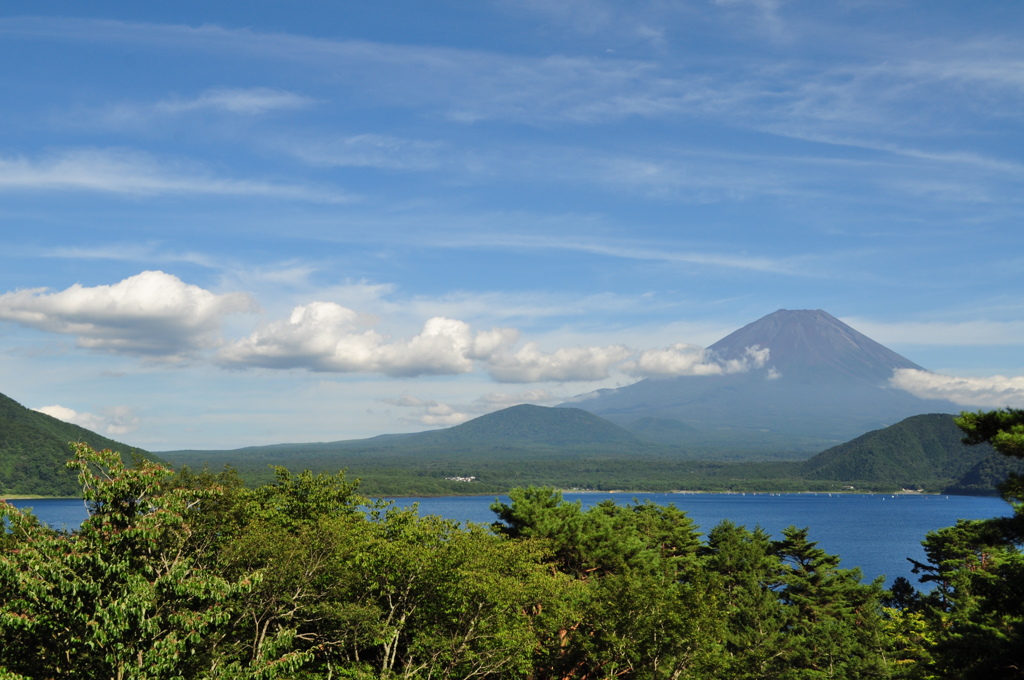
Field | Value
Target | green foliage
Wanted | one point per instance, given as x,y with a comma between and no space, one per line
195,575
119,598
33,450
977,605
1002,428
643,608
974,616
749,573
657,603
836,629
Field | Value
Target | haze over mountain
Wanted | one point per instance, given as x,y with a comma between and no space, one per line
821,383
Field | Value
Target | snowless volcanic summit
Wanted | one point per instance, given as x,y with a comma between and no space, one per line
821,383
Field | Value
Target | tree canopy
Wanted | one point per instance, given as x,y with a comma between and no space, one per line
195,575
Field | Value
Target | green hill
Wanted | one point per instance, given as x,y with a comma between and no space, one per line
34,449
524,444
923,451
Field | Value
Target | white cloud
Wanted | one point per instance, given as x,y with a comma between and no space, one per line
324,336
368,151
430,412
685,359
466,85
993,392
637,250
248,102
611,20
131,252
120,171
566,364
765,11
113,421
440,414
891,85
243,101
494,401
152,314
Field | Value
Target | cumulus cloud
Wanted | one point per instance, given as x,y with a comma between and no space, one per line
439,414
151,314
994,392
430,412
684,359
324,336
113,421
567,364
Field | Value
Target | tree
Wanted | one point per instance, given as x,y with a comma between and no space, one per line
836,625
1004,430
643,608
748,573
976,609
122,597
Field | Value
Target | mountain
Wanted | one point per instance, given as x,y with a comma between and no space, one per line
822,384
569,447
520,445
528,425
522,428
923,451
34,448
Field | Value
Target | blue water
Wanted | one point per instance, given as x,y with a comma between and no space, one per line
59,513
876,532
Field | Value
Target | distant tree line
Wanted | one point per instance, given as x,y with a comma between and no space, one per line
184,575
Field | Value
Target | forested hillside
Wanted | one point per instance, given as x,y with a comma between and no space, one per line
34,450
924,451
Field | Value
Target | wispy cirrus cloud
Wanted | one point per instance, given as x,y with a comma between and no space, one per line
243,101
367,151
639,250
871,95
120,171
132,252
236,102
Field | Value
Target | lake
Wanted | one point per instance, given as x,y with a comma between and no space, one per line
876,532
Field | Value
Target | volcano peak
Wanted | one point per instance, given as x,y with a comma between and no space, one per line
822,383
811,344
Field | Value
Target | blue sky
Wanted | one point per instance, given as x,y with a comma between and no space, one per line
226,224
